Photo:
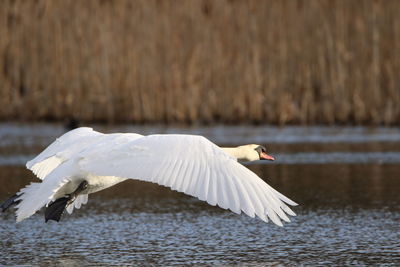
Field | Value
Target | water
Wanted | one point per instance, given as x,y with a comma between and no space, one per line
347,181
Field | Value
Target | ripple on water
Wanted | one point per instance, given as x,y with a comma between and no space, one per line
204,237
345,179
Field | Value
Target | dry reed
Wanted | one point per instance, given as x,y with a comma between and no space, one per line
316,61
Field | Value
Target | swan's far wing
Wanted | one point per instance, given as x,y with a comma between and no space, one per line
60,150
70,145
193,165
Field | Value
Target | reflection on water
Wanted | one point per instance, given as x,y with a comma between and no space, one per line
349,212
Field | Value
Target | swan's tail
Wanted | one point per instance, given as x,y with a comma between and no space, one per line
36,195
28,202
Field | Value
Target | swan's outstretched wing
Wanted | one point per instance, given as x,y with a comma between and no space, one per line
66,147
193,165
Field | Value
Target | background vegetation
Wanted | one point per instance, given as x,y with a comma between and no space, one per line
316,61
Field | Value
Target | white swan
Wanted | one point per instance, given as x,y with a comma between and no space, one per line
84,161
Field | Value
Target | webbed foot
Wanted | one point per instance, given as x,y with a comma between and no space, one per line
57,208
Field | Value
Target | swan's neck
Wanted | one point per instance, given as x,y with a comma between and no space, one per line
242,153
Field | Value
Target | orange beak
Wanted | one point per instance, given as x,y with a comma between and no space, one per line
266,156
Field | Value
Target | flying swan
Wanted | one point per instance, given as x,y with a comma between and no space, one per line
83,161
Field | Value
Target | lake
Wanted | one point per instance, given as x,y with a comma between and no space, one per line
346,180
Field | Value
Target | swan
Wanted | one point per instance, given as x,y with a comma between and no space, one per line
84,161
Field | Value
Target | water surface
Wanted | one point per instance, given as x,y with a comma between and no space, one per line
346,181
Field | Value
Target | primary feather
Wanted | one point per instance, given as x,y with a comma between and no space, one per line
186,163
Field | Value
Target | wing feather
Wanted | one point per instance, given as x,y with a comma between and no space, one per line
245,202
171,175
166,176
185,174
232,193
183,168
274,203
70,208
255,198
212,198
222,200
194,181
187,178
201,190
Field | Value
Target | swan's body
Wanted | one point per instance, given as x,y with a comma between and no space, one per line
91,161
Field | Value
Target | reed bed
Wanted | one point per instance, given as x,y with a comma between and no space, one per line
198,61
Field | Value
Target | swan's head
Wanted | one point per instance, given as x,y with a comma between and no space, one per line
254,152
262,153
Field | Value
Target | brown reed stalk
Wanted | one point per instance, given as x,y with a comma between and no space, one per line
201,61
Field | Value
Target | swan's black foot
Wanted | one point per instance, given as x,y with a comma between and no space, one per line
9,202
57,208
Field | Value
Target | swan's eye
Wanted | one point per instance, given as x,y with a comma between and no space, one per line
261,149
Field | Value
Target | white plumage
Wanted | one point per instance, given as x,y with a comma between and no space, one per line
186,163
